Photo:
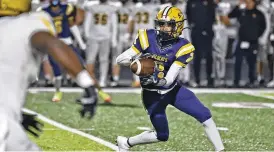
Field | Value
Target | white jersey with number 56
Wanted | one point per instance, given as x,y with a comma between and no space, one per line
100,21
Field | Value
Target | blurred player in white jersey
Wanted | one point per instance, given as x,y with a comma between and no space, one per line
24,40
220,42
142,18
100,29
264,50
270,56
124,12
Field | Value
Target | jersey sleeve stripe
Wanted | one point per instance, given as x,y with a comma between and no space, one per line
135,49
69,9
180,63
48,25
190,58
143,39
188,48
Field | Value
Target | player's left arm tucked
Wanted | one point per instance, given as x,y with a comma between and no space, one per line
183,57
72,13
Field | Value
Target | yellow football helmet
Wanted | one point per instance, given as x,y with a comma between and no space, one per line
14,7
170,16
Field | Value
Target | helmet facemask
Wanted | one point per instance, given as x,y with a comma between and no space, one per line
167,35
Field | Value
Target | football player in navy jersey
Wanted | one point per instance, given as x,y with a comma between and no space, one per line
65,21
171,53
63,18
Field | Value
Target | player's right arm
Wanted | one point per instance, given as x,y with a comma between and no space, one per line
43,40
63,54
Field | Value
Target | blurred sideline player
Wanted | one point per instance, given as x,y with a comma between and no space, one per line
79,20
64,21
36,38
270,56
142,18
124,12
160,89
100,28
220,42
67,25
263,50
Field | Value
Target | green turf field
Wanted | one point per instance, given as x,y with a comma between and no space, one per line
55,139
249,129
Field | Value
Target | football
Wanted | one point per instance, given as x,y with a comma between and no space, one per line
143,66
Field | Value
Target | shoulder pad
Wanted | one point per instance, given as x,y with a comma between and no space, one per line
185,49
46,19
142,34
70,9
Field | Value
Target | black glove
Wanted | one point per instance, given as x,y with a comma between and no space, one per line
31,124
88,102
147,80
88,110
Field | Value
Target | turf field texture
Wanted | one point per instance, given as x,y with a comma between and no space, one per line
248,129
56,139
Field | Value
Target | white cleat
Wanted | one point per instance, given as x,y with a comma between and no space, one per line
122,144
270,84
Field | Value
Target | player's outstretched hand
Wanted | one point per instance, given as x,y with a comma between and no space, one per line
31,124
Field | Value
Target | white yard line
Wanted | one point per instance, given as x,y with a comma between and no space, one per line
222,128
138,90
250,93
144,128
53,129
75,131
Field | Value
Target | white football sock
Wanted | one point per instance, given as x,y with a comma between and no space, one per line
116,77
145,137
58,83
260,77
48,77
103,71
136,78
213,134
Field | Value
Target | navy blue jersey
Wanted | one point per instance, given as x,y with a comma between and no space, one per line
181,53
63,19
